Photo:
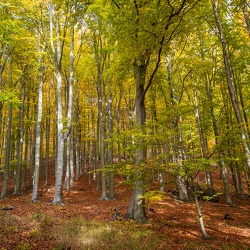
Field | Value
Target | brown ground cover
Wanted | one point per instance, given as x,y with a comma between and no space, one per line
174,222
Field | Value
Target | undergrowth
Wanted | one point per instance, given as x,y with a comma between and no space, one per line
30,232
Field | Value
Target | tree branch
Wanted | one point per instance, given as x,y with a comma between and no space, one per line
118,7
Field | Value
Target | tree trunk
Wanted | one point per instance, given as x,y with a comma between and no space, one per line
101,135
245,6
110,148
203,229
98,58
60,144
77,131
222,164
57,53
231,87
203,141
17,189
137,205
70,164
38,127
8,140
47,144
240,181
3,60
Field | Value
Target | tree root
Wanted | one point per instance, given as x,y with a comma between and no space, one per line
58,203
104,198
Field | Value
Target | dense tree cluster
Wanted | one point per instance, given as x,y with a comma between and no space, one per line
149,90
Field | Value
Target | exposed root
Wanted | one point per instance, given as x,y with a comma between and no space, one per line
35,200
104,198
17,193
58,203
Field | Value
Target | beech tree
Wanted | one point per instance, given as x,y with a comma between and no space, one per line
150,70
38,124
58,28
231,85
151,26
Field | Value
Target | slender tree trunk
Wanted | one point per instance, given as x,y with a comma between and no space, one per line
222,163
47,152
245,6
110,148
70,164
77,132
17,189
101,136
57,52
203,229
231,87
203,141
98,58
3,60
240,181
38,127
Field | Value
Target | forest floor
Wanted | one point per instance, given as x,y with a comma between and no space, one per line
85,222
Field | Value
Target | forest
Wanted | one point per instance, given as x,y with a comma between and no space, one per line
124,121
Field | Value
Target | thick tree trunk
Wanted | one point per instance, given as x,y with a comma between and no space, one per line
7,155
8,140
137,205
60,144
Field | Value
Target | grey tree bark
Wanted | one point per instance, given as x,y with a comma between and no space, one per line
47,140
245,10
137,204
70,150
203,141
78,138
231,86
3,61
17,189
36,174
98,57
8,139
222,163
57,49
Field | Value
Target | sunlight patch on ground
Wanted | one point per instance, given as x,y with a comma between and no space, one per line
229,229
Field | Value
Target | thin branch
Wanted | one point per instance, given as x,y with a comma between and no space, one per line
118,7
